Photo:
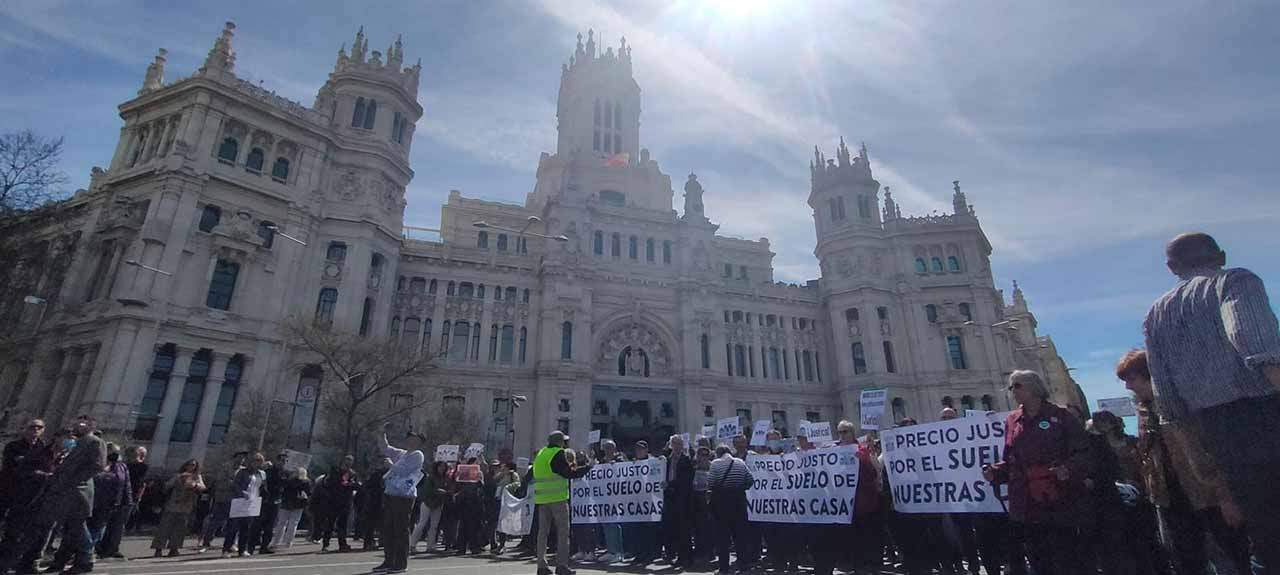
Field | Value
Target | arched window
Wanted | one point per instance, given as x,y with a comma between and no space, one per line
502,242
773,363
375,270
931,313
366,316
953,263
921,266
431,287
267,233
402,284
955,350
597,245
229,150
937,264
648,250
615,249
899,409
859,359
325,305
395,328
458,346
480,291
988,404
966,402
808,365
466,289
475,343
409,338
666,251
704,343
399,125
222,285
482,240
184,423
227,400
253,162
280,169
851,315
210,216
507,349
740,360
426,336
417,286
451,289
566,340
370,113
524,336
889,365
493,344
444,338
524,296
965,312
633,247
357,116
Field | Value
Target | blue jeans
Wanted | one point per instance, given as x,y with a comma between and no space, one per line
1243,438
613,538
76,546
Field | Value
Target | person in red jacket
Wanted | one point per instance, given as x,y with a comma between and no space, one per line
1046,461
835,540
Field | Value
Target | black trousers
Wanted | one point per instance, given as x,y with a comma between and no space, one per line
396,513
242,531
732,528
266,526
335,524
676,521
1054,549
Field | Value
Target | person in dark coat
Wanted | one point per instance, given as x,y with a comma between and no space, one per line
68,499
112,504
371,505
339,488
28,464
272,493
677,506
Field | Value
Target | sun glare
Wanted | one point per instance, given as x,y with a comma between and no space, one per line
742,9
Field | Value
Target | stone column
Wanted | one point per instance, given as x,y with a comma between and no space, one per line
54,402
209,404
82,379
169,408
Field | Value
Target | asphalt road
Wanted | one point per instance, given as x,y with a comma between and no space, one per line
305,559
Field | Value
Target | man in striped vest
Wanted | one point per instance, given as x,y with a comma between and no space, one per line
551,475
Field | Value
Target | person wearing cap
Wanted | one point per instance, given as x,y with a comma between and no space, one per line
551,474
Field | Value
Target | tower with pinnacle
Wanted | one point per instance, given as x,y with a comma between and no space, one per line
598,110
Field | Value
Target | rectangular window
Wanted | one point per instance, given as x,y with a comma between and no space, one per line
337,252
184,423
786,365
502,242
728,358
740,360
764,363
616,248
808,366
566,340
780,421
598,243
226,401
633,247
705,344
773,363
813,416
153,397
222,285
564,405
365,316
325,305
889,364
728,270
482,240
751,361
304,408
508,344
955,348
744,418
859,359
563,425
708,411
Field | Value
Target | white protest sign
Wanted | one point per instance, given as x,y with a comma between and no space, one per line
446,453
1121,406
709,431
475,450
688,446
815,486
728,428
522,465
937,467
515,517
294,460
820,433
871,407
245,507
627,492
593,437
760,432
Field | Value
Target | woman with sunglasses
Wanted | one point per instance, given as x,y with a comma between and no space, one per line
1046,461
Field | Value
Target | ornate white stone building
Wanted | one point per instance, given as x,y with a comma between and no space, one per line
594,298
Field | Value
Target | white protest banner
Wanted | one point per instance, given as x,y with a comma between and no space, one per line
627,492
446,453
475,450
1121,406
516,515
294,460
728,428
709,431
593,437
245,507
760,432
815,486
937,467
871,407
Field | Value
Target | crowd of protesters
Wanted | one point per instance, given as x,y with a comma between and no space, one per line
1196,489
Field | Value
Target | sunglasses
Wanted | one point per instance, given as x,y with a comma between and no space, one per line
35,427
1015,386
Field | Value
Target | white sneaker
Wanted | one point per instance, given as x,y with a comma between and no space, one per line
579,557
610,558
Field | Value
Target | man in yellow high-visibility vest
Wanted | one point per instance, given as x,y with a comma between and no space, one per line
551,474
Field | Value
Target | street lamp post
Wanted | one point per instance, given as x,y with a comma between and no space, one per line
44,307
281,233
138,264
521,232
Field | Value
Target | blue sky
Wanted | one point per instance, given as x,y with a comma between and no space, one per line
1085,133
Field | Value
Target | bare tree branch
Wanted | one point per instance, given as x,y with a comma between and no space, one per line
29,174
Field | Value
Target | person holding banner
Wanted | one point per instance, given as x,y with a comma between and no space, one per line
729,480
248,488
677,507
551,475
399,490
1045,463
612,531
643,537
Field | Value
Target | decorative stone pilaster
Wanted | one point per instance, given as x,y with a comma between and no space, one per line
169,407
209,404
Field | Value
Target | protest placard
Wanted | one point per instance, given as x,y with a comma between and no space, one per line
728,428
522,465
245,507
467,473
593,437
627,492
871,408
815,486
760,432
709,431
516,515
1121,406
937,467
819,433
475,450
294,460
446,453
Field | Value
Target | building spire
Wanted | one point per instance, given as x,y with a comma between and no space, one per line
842,153
154,80
958,201
221,57
890,207
591,43
360,47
